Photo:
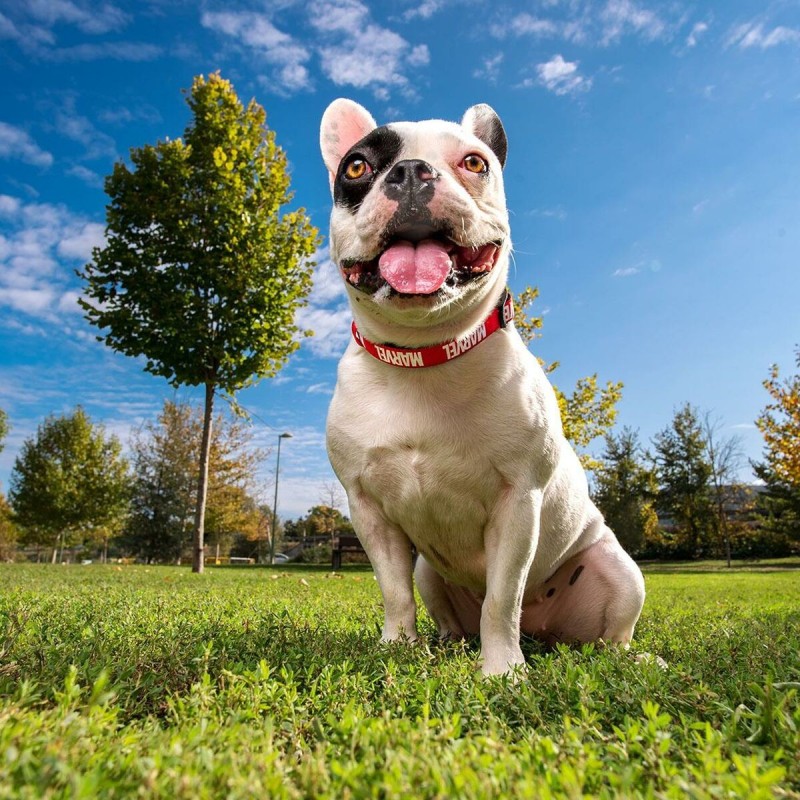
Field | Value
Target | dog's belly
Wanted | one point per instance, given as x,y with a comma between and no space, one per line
441,498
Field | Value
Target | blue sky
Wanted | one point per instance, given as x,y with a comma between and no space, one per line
653,181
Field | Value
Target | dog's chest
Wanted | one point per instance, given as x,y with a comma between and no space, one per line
428,461
440,493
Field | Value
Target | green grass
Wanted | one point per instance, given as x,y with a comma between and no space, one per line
154,683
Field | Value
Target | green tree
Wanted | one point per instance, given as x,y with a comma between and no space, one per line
69,483
778,507
201,273
624,490
3,428
165,458
165,472
590,410
779,424
684,475
8,531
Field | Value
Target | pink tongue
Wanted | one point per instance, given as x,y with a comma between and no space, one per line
415,270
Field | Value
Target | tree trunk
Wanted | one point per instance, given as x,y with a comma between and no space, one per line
198,544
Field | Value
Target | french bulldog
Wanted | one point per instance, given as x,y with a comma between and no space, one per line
443,428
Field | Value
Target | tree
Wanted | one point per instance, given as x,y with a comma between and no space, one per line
779,424
684,474
166,455
3,428
8,531
70,483
725,457
589,411
201,273
779,506
165,470
624,490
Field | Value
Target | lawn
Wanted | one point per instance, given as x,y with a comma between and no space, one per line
152,682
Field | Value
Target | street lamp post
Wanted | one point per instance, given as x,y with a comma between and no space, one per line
275,502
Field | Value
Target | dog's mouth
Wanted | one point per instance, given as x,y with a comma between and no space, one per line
422,267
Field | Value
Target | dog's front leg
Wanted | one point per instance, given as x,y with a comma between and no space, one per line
510,541
389,552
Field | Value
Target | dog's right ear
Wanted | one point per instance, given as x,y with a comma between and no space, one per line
343,124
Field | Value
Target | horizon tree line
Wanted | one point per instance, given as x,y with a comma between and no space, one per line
680,498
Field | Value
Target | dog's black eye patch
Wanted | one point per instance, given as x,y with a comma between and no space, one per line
380,149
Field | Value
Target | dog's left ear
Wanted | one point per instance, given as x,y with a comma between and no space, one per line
482,120
344,123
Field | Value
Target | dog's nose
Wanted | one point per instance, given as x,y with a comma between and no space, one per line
410,176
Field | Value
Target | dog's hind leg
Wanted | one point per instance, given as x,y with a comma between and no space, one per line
597,594
455,611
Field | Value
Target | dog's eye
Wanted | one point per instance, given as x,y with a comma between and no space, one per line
356,169
474,163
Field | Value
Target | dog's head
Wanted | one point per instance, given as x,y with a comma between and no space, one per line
419,221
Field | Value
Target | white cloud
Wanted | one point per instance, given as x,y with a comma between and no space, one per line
94,51
331,328
598,23
40,244
88,176
556,212
9,206
344,16
562,77
16,143
277,48
93,19
625,272
698,29
327,313
328,282
526,25
69,302
124,115
80,129
35,302
355,51
319,388
624,16
424,10
79,241
8,30
490,69
755,34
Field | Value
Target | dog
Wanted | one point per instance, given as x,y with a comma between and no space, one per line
443,428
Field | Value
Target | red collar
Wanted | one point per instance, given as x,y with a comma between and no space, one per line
500,316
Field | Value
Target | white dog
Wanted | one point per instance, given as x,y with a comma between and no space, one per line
443,428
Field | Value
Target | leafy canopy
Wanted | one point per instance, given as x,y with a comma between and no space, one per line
3,428
69,478
165,460
779,424
684,476
624,489
201,273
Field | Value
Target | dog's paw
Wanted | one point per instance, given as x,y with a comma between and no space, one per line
511,664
